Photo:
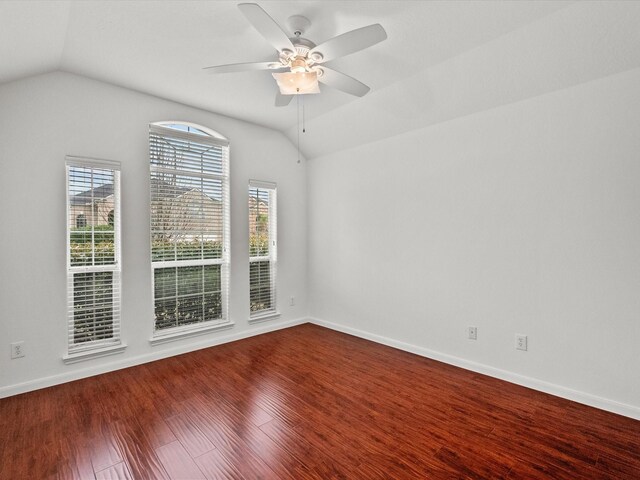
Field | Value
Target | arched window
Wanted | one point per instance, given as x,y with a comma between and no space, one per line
189,227
81,221
192,128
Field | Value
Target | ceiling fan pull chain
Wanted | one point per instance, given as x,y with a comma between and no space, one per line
304,130
298,129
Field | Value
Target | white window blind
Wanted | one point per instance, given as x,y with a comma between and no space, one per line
262,248
93,253
189,228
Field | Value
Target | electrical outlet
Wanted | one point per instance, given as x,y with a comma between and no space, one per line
472,333
521,342
17,349
292,301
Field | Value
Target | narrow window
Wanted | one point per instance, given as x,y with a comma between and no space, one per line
189,229
262,249
93,254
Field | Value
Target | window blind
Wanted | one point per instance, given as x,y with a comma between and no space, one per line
262,248
93,253
189,228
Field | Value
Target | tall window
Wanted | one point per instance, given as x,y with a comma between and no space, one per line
93,254
262,249
189,228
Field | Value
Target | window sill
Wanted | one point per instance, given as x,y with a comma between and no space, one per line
94,353
186,333
263,317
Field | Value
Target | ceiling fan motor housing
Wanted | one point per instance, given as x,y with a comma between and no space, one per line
300,59
303,46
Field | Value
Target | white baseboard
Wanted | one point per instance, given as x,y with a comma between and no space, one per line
540,385
36,384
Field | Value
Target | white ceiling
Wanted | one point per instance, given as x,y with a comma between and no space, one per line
442,59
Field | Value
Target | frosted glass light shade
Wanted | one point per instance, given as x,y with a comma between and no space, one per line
291,83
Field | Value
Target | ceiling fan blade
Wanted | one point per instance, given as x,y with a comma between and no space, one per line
267,26
244,67
283,100
349,42
343,82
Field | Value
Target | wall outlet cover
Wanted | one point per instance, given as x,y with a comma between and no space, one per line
17,349
521,342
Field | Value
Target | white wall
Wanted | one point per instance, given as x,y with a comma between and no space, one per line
44,118
521,219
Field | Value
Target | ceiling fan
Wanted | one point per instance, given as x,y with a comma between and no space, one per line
301,63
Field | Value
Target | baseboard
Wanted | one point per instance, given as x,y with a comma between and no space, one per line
39,383
533,383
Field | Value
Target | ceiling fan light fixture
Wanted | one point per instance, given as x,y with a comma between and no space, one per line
316,57
286,53
299,65
297,83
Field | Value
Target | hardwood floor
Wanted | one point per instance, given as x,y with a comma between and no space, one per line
307,403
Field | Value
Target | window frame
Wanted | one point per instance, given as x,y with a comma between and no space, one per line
272,256
94,348
212,137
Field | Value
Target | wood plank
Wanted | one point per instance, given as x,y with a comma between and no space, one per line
619,466
190,436
137,450
178,463
216,466
116,472
104,451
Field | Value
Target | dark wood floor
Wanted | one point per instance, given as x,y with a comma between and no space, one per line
307,402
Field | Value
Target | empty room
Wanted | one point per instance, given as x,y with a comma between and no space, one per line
375,239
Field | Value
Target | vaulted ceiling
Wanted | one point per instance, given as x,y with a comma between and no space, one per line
442,59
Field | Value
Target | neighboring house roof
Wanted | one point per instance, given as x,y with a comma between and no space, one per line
167,189
98,193
254,199
106,190
174,191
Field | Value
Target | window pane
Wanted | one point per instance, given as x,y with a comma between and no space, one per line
104,253
92,306
165,313
258,222
192,153
162,248
190,309
189,280
91,216
164,281
211,247
212,278
187,295
186,217
213,306
260,286
80,247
